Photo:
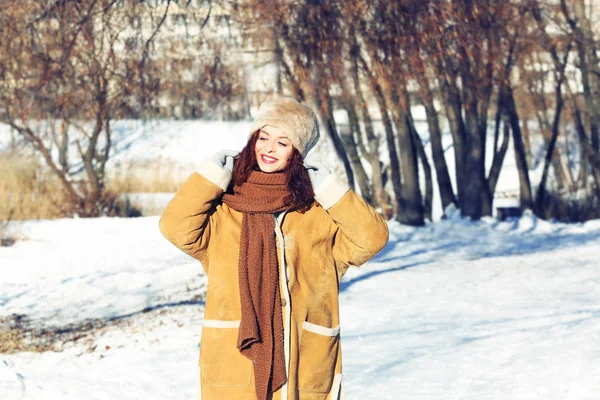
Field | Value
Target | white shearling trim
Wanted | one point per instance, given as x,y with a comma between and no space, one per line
215,323
335,392
214,173
320,330
330,191
284,277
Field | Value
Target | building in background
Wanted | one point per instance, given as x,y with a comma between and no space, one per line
199,58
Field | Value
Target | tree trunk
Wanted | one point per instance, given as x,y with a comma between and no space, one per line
361,176
351,143
499,155
546,130
61,142
482,123
296,86
75,200
317,88
411,207
589,66
588,154
512,118
278,53
594,160
587,94
428,204
475,185
391,145
527,141
381,197
452,104
541,190
437,149
389,135
560,77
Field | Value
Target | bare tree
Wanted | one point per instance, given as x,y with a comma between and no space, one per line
459,59
560,64
589,65
66,74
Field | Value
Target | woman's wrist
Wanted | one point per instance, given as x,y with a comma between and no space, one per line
330,191
215,173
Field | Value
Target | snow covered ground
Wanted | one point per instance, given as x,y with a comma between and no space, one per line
454,310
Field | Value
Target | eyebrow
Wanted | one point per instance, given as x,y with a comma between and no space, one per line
279,137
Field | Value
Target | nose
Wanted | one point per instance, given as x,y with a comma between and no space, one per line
269,146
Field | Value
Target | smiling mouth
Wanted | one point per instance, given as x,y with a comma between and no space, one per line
267,159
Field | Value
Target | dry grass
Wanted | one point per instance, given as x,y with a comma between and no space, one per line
144,176
28,189
18,334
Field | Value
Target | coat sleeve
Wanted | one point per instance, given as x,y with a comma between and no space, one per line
361,232
185,222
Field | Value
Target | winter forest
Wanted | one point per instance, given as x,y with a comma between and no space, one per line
471,126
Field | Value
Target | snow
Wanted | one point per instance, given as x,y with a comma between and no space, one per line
454,310
508,313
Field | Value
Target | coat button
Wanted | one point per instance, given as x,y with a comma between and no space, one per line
283,302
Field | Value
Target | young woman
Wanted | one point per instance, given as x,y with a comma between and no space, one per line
274,237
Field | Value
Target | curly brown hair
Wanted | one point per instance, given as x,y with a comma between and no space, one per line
297,179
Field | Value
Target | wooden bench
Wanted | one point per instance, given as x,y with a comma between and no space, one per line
502,213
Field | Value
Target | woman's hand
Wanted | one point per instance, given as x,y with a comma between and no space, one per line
225,158
318,173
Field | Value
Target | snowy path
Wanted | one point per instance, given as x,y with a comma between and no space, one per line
455,310
522,322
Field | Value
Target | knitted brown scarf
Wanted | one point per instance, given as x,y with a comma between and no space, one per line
261,328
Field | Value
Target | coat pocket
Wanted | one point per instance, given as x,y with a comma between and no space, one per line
221,363
317,358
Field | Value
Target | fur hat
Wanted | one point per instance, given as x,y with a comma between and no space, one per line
296,121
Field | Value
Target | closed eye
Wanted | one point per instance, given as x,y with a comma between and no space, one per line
283,144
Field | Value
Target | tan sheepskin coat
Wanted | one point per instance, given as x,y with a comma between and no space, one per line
315,250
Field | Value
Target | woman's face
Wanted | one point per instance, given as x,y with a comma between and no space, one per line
273,150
